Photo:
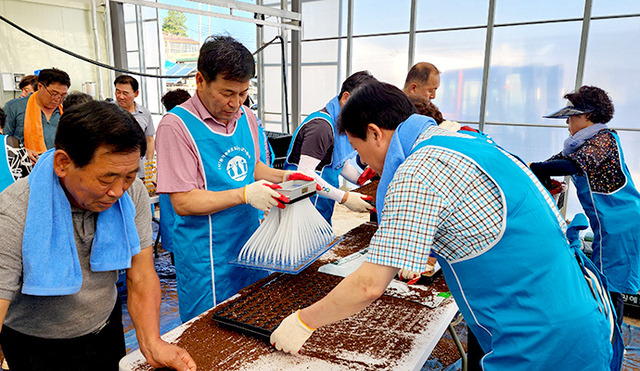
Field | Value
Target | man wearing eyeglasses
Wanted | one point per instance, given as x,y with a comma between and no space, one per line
34,119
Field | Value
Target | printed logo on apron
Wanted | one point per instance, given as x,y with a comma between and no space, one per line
236,163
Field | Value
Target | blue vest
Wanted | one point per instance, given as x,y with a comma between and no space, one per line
264,147
203,245
330,173
525,298
6,176
616,231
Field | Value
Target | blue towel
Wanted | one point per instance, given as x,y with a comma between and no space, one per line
342,149
49,256
402,142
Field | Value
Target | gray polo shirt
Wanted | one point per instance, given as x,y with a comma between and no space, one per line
64,316
143,116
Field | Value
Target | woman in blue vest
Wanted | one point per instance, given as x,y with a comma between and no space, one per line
497,235
593,156
318,150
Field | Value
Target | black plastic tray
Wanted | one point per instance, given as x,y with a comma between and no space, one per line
277,298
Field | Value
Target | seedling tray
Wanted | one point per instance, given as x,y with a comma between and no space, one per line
259,312
285,268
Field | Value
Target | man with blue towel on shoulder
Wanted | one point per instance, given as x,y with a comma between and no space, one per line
67,229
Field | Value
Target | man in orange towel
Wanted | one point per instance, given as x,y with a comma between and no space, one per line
34,119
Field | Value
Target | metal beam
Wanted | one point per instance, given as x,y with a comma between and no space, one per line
282,13
296,70
260,69
293,25
118,35
141,57
349,36
412,33
586,23
284,103
487,63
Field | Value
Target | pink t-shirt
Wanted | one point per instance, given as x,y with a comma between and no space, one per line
179,168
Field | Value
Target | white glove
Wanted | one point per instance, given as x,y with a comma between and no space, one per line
405,274
356,202
449,125
291,334
261,195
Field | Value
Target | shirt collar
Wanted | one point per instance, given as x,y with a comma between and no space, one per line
205,115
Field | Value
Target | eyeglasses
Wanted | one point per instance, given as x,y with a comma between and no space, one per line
55,94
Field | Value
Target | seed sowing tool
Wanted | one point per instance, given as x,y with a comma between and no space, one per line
289,239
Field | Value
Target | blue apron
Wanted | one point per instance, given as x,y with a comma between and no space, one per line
537,312
264,147
6,176
203,245
616,236
330,173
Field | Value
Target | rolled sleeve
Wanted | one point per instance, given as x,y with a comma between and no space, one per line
140,198
178,164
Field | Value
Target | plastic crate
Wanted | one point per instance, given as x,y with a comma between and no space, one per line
279,142
631,305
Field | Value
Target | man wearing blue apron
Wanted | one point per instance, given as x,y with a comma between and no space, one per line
318,150
496,233
210,175
593,156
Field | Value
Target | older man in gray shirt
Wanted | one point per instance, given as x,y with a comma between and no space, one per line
66,229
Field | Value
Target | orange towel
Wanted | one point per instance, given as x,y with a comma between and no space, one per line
33,135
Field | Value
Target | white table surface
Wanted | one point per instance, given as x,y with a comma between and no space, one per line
422,347
422,343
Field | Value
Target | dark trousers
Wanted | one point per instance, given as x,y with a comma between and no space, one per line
101,350
618,305
474,352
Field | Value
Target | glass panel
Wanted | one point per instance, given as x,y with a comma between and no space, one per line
434,14
508,11
531,144
378,16
532,67
131,36
608,7
320,51
149,12
153,92
150,37
386,57
129,11
273,52
459,55
611,64
132,61
318,87
273,89
320,19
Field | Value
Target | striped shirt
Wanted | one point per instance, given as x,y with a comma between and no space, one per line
443,201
